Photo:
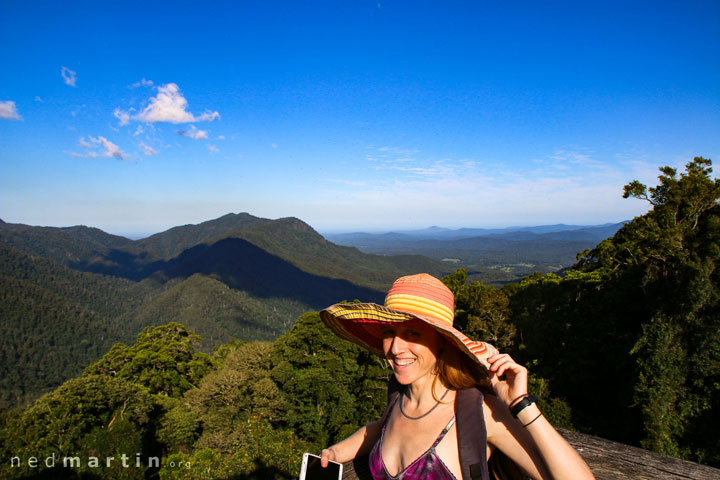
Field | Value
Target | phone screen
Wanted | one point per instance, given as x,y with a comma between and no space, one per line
312,470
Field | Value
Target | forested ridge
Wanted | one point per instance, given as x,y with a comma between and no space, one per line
624,345
69,294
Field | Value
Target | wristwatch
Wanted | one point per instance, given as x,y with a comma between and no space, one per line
522,404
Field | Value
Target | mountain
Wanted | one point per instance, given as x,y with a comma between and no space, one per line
494,256
175,240
68,294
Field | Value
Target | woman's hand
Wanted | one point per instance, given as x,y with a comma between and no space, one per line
516,378
327,455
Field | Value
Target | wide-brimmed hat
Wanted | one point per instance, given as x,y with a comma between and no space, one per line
415,297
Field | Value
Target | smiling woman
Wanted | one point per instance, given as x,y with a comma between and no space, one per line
436,369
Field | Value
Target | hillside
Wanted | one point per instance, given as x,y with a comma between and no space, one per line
54,322
76,291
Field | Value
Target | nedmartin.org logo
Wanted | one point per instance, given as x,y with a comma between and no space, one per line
124,461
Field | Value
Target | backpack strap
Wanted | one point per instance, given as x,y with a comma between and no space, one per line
394,389
471,433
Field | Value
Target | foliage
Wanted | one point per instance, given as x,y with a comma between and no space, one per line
639,315
330,387
89,417
228,396
163,360
482,312
268,454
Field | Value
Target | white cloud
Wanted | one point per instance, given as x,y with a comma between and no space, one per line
170,106
213,149
194,133
111,150
38,99
221,137
142,83
124,117
68,76
147,150
8,110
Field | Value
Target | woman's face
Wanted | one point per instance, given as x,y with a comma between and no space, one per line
412,349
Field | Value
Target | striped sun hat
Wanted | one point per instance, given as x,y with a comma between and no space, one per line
415,297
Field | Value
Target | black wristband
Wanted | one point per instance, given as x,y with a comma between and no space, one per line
522,404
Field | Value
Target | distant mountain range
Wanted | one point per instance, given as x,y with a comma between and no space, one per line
492,255
68,294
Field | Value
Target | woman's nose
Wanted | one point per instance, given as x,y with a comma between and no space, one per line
398,345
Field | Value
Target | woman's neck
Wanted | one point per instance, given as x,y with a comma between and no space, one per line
420,393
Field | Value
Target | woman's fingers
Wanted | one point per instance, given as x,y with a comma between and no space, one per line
326,456
502,362
515,374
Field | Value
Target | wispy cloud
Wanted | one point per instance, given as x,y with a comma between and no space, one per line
69,76
213,148
406,186
194,133
142,83
124,117
169,105
94,148
8,110
148,150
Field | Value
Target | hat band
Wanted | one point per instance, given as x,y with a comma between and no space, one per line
420,306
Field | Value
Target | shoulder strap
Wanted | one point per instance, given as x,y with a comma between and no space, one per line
394,389
472,435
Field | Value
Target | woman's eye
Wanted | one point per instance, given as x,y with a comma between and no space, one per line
415,333
388,333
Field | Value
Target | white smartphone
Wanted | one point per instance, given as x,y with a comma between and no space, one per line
312,470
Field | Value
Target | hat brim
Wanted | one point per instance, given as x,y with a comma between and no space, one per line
355,322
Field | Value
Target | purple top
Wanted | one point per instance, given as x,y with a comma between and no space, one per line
426,467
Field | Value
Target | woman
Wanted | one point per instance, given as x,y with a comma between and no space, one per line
433,362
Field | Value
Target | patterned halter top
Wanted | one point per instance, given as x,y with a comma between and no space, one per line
426,467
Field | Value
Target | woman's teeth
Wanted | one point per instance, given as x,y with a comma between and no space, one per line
404,363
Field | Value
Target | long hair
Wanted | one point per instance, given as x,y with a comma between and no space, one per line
456,370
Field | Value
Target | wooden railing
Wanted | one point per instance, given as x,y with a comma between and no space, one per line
607,459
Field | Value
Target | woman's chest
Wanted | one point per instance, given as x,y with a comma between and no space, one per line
419,444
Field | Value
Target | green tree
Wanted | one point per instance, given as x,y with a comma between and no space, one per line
330,387
163,359
669,259
482,312
227,397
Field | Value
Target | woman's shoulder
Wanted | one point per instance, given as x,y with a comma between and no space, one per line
497,415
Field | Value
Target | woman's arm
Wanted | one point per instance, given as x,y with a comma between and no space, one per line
356,445
530,440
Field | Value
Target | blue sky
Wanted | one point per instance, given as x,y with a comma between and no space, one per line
351,115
